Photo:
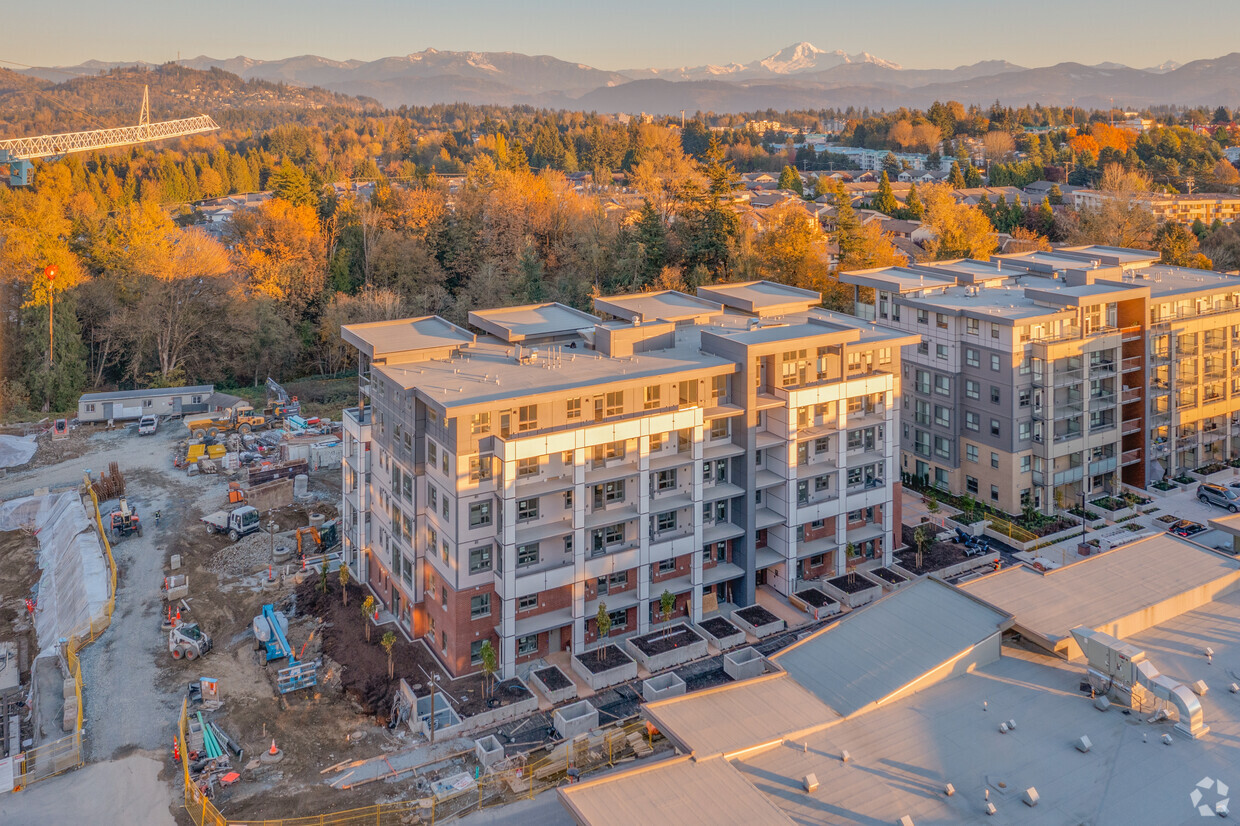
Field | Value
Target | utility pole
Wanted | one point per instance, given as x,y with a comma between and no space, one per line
50,273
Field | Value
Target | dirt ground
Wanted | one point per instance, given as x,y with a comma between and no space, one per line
936,557
19,572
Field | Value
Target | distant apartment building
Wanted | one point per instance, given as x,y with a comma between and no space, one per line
1180,209
501,483
1044,376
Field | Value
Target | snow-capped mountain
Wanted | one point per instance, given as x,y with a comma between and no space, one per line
806,57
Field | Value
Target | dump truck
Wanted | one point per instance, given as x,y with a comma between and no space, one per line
236,523
240,417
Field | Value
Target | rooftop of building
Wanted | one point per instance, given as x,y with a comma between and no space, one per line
1101,591
667,305
973,269
384,339
1164,280
151,393
1006,304
761,297
898,279
516,324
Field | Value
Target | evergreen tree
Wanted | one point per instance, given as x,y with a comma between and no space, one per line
1056,195
956,179
884,199
891,163
55,387
289,183
1045,217
651,234
714,222
790,181
972,178
913,208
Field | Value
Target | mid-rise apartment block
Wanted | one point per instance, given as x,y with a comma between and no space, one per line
502,482
1180,209
1040,377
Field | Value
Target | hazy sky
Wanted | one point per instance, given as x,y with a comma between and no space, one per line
627,33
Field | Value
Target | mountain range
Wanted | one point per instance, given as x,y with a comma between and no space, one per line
801,76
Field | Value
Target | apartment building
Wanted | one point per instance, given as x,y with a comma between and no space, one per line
502,482
1180,209
1044,376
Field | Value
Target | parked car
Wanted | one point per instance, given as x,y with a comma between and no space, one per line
1218,495
1186,528
147,425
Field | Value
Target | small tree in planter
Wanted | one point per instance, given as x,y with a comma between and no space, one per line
922,538
851,551
490,664
967,505
368,610
344,583
932,502
388,641
667,603
603,620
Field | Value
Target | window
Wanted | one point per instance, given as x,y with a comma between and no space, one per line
479,606
603,538
665,480
1025,464
653,392
923,347
446,462
994,427
940,321
994,459
970,484
479,514
475,652
718,387
608,493
527,645
444,553
665,521
994,362
480,423
1023,398
971,357
432,453
971,420
447,508
527,509
940,351
942,447
718,428
90,408
921,445
568,500
994,394
994,330
972,389
527,467
656,441
432,496
479,468
572,408
943,385
970,452
688,392
480,559
527,418
923,317
994,493
568,544
613,583
614,405
942,416
619,619
970,326
665,566
527,554
528,603
443,600
1026,430
923,382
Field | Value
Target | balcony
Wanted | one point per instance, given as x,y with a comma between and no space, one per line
1162,354
1067,477
1101,466
1130,457
1102,400
1130,394
1132,364
1186,379
1134,333
1102,368
1130,426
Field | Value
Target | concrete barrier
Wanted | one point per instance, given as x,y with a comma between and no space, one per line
556,696
662,687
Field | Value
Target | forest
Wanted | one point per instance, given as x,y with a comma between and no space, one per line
471,207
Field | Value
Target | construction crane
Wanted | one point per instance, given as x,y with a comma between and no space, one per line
19,152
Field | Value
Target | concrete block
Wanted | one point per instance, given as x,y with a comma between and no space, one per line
1166,738
662,687
845,756
949,790
810,783
1199,688
1102,703
990,809
1030,797
744,664
1003,728
1011,725
175,562
575,719
1083,745
1233,688
488,750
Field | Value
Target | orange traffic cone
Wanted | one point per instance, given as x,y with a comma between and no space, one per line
273,750
178,616
170,615
176,749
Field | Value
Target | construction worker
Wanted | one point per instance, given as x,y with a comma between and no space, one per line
156,517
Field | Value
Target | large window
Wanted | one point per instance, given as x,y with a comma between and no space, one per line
971,420
718,428
527,418
480,423
480,559
603,538
665,521
614,405
527,554
527,645
527,467
608,493
665,480
479,468
479,514
972,389
971,357
527,509
527,603
572,408
612,583
653,394
479,606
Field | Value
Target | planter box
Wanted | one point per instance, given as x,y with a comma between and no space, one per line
744,664
972,563
887,584
974,529
724,639
763,628
870,592
1038,542
598,681
1161,494
1115,515
815,602
689,645
662,687
488,750
1217,477
558,695
501,714
577,719
447,723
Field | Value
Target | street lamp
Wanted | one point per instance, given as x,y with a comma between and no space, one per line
434,686
50,272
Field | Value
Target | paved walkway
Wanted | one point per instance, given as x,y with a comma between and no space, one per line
778,604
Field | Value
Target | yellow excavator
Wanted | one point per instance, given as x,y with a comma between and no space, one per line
240,417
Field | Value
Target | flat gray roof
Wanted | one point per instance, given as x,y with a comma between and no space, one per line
1120,255
514,324
668,305
151,393
1100,590
738,716
897,279
405,335
1003,303
974,268
761,297
1165,281
882,648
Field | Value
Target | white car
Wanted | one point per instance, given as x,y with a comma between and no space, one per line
147,425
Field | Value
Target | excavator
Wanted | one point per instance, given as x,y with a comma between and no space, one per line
325,537
279,404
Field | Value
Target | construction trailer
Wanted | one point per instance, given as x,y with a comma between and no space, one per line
126,405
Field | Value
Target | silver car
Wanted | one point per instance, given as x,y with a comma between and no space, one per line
1218,495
